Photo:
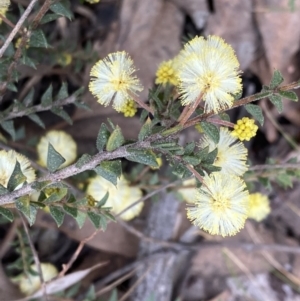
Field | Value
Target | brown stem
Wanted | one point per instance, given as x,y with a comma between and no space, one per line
220,122
9,23
141,103
185,115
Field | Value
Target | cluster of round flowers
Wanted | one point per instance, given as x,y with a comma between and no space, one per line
223,204
245,129
205,67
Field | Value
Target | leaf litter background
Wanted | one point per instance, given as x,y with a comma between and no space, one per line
266,36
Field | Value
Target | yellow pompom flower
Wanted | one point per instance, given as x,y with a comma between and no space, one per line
259,206
8,161
221,205
92,1
245,129
209,68
166,73
188,190
62,142
113,80
29,283
129,109
64,59
120,196
4,4
232,154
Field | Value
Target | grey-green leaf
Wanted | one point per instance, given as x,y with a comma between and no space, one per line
211,131
54,159
94,218
277,102
80,218
3,190
115,140
84,159
61,8
145,130
289,95
102,137
63,92
47,97
16,177
110,170
38,39
8,126
146,157
35,118
23,205
58,215
28,99
276,80
70,210
7,214
63,114
256,112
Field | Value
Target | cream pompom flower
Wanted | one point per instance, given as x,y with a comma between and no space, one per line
63,143
120,196
259,206
8,161
232,154
29,283
113,80
221,205
209,68
4,4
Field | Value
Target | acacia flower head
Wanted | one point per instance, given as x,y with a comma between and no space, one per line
259,206
92,1
62,142
113,80
120,196
232,154
129,109
209,68
245,129
167,73
8,161
4,4
30,283
221,205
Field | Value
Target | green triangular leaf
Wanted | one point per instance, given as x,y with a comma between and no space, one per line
48,18
38,39
3,190
35,118
71,210
115,140
289,95
56,195
8,126
145,130
256,112
276,101
211,131
80,218
103,200
95,219
84,159
110,170
47,97
63,114
62,8
276,80
24,206
102,137
57,214
54,159
16,178
146,157
63,92
7,214
28,100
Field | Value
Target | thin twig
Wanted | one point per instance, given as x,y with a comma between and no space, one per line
5,244
35,256
17,27
185,115
275,166
75,255
8,22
